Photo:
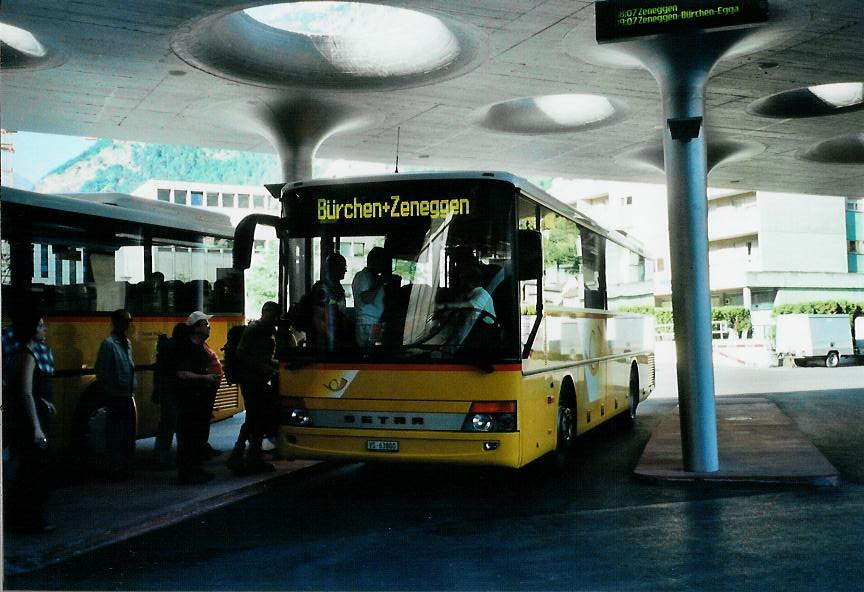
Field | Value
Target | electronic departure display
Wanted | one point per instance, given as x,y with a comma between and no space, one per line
390,207
623,19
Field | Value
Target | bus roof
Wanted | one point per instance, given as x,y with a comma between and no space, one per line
520,183
122,207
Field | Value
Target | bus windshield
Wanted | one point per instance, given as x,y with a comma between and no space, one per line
403,271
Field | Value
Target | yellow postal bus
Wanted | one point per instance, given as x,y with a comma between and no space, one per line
487,335
78,257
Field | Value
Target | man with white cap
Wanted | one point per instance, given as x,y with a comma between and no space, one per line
194,383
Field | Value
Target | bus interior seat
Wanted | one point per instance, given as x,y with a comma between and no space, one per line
74,297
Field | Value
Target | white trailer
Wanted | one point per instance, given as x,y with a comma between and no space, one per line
814,337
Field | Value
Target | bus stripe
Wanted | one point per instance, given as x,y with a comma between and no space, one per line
415,367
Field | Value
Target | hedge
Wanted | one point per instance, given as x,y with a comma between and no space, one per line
822,307
736,317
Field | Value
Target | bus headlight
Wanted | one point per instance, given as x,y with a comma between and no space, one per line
491,416
298,417
482,422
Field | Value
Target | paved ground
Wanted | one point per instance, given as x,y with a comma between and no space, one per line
94,513
586,524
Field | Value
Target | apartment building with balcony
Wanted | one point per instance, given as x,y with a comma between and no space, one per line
765,249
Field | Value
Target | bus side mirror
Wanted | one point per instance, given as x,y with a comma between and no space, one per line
530,255
244,237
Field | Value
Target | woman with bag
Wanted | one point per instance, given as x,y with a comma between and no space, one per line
27,409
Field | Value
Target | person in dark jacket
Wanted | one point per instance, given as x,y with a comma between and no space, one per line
255,358
194,383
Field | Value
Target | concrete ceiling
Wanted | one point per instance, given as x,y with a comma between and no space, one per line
194,72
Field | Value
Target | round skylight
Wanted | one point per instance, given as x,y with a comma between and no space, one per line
366,39
845,149
811,101
22,41
20,49
337,45
547,114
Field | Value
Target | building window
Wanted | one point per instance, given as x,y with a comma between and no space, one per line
163,194
227,200
243,200
660,265
257,201
180,196
197,198
212,200
43,261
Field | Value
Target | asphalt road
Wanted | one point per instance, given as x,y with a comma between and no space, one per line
586,524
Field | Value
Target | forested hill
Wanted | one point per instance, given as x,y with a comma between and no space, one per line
122,166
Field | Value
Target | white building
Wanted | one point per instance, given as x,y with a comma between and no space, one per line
765,249
236,201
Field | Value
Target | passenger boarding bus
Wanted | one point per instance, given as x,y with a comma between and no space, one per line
78,257
489,335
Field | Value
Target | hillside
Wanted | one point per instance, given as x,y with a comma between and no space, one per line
122,166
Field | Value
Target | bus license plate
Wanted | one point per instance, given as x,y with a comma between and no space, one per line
382,445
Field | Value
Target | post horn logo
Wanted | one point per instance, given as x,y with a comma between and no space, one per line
336,385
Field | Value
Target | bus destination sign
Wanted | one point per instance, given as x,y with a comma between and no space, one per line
390,207
624,19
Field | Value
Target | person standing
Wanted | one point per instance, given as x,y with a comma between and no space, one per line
115,370
329,313
193,387
255,358
27,408
368,288
165,394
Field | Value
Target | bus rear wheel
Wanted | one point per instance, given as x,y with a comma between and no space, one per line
832,360
566,428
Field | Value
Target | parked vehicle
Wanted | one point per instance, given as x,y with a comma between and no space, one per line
815,337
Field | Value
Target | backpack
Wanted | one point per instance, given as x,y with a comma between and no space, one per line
162,375
231,365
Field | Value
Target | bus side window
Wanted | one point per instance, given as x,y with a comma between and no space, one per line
594,269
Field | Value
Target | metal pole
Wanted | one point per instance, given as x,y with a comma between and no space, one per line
684,149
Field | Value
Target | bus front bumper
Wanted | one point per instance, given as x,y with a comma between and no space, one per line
494,449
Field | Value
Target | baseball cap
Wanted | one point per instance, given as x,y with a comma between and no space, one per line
196,317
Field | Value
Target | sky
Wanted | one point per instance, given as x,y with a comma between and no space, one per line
37,154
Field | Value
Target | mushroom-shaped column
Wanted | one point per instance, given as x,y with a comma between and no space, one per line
680,58
297,125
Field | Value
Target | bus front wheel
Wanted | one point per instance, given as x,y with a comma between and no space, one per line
832,360
630,417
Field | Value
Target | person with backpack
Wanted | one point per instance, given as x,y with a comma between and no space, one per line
164,387
255,372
